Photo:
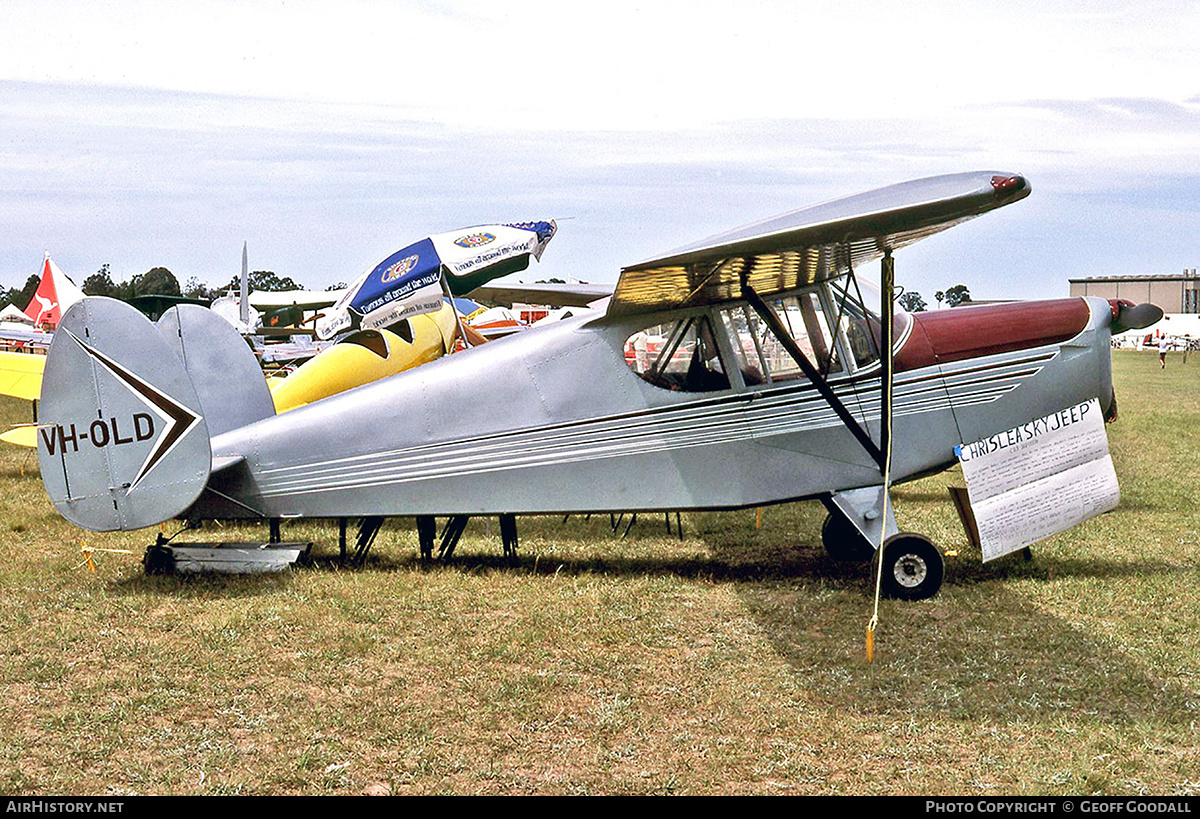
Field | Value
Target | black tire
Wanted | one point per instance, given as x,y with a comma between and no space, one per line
912,567
842,541
158,560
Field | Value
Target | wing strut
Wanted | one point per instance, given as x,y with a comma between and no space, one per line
772,321
887,280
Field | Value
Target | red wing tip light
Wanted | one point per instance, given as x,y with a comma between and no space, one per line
1007,184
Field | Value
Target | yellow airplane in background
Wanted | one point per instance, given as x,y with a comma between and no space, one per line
359,358
21,377
430,329
367,355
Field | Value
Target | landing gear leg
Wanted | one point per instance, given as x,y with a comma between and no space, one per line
426,532
508,534
855,525
842,541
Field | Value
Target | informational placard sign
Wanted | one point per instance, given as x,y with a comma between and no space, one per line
1040,478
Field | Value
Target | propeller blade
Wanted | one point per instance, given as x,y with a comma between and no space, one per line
1136,317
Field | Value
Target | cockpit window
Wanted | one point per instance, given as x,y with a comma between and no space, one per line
856,301
832,325
763,358
742,329
807,323
858,321
683,358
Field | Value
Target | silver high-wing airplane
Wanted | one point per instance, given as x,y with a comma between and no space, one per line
743,370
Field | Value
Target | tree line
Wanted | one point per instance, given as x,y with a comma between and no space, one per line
912,301
157,281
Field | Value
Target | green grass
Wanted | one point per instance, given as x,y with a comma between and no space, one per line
729,662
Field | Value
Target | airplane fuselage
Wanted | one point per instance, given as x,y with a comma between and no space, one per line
560,420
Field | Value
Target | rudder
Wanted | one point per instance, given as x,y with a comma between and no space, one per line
222,368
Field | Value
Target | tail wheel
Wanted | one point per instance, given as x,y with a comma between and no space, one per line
912,567
158,560
842,541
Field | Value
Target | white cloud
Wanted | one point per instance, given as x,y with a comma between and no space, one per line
330,133
622,64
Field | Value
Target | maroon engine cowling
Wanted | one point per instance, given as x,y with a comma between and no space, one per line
942,336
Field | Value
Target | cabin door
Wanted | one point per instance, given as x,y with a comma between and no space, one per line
785,411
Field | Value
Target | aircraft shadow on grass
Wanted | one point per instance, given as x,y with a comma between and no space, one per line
1006,661
998,657
741,555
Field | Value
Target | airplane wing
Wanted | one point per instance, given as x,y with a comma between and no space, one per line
14,335
23,435
263,300
21,375
548,293
812,244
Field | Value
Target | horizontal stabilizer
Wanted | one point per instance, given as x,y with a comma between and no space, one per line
222,462
122,441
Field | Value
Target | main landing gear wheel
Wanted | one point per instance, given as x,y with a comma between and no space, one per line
912,567
842,541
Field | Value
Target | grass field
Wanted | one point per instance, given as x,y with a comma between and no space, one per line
729,662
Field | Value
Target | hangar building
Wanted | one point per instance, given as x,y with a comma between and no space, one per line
1179,293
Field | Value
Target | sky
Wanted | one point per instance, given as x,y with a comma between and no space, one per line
328,135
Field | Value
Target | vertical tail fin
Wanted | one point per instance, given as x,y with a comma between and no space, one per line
123,442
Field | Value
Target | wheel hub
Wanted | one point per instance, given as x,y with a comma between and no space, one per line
910,570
